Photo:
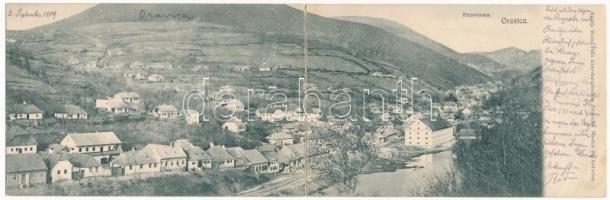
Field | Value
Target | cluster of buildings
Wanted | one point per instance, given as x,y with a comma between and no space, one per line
80,156
30,112
264,67
142,77
83,155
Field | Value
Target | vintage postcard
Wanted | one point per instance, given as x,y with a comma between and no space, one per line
304,100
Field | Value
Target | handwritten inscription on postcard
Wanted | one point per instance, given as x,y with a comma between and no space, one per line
573,100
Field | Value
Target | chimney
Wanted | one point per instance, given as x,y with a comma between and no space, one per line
133,148
211,144
223,146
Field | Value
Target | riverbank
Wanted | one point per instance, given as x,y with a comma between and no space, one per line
390,177
402,154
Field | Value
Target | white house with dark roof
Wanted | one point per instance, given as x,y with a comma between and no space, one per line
60,167
237,154
287,159
101,145
165,111
197,158
155,78
450,107
280,138
24,112
234,125
220,157
427,132
114,106
25,170
85,166
70,112
269,151
299,151
122,102
128,97
170,158
21,144
131,163
232,105
255,162
191,117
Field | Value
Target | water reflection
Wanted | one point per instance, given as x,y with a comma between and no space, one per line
403,181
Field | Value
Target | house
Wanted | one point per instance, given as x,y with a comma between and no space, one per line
299,151
241,68
135,162
237,154
60,167
155,78
220,157
287,159
280,138
382,136
197,68
264,68
255,161
114,106
139,77
272,158
427,132
70,112
56,148
467,134
450,106
234,125
377,74
101,145
85,166
233,105
16,130
191,117
128,97
197,158
277,115
165,111
21,144
170,158
467,112
24,112
25,170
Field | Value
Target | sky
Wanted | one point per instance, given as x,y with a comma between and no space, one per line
442,23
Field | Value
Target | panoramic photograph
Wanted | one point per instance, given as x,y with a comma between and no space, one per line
274,100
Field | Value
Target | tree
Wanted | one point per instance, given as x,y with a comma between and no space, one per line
338,157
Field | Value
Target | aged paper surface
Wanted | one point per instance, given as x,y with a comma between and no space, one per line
370,100
574,66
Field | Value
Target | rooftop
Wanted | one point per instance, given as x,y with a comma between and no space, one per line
89,139
24,162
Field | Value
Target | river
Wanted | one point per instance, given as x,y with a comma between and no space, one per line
403,181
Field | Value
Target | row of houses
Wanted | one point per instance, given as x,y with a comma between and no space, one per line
31,112
142,77
264,67
87,155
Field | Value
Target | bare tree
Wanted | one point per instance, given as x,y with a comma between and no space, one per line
339,156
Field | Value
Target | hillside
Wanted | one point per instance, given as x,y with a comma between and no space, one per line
519,59
479,62
249,34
